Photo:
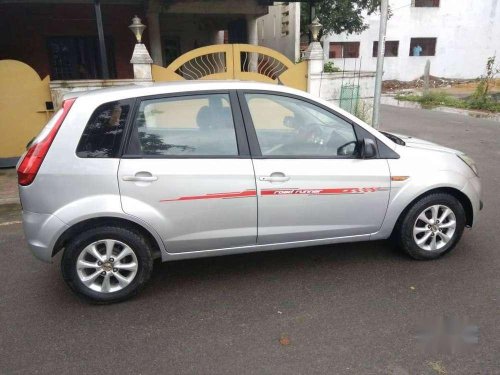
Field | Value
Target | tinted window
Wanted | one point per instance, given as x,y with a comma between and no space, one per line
196,125
291,127
103,133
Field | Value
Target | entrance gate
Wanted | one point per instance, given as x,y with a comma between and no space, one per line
235,61
24,98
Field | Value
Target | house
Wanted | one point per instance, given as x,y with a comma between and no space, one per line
456,36
87,44
61,38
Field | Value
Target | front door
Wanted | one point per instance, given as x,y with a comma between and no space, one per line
186,171
310,183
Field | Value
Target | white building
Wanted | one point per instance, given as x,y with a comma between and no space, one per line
457,36
280,29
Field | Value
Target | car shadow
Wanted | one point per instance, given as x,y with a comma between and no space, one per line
272,264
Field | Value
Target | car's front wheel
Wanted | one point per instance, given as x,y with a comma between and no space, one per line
107,264
432,226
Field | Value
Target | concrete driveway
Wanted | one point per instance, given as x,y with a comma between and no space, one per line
343,309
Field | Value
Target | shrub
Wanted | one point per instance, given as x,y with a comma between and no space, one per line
330,67
436,99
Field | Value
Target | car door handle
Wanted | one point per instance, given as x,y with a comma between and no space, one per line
275,177
140,178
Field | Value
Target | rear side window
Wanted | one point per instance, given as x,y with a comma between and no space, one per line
103,133
194,125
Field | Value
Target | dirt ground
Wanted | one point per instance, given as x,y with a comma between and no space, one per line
454,87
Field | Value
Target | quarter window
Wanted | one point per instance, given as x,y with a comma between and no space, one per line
289,127
195,125
103,133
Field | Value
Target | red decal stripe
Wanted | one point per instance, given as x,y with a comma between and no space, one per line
289,191
241,194
337,191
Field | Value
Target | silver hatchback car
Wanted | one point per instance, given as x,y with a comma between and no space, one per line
120,177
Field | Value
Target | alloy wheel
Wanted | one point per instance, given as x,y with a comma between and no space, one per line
107,266
434,227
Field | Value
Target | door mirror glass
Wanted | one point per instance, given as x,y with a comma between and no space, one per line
347,149
368,148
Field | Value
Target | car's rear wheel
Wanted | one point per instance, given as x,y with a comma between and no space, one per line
107,264
432,226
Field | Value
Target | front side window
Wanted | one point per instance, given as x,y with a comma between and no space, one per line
289,127
195,125
103,133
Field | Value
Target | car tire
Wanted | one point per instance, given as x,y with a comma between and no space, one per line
422,235
107,264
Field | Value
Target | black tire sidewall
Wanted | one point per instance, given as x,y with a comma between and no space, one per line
132,239
406,239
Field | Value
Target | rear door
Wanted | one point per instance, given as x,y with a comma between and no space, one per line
311,184
187,172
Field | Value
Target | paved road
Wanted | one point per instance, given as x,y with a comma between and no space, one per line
344,309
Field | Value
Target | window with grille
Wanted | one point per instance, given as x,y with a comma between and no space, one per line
75,57
391,48
344,50
426,3
285,19
423,46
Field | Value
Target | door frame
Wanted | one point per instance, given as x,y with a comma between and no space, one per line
239,127
383,151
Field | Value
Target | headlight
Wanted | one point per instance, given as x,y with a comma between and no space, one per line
467,160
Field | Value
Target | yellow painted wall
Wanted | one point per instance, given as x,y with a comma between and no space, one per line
22,106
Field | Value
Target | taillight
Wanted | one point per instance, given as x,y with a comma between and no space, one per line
33,158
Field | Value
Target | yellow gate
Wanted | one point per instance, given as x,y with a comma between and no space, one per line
23,113
235,61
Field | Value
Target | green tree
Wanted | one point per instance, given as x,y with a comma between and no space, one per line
338,16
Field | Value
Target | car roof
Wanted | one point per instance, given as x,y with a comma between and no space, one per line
146,89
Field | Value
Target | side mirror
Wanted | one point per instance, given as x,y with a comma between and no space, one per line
368,148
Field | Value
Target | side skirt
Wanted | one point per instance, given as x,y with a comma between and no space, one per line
166,256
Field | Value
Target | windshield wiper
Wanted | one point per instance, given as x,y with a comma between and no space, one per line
394,138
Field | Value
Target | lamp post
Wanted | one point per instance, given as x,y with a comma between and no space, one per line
314,56
137,28
384,6
141,59
315,28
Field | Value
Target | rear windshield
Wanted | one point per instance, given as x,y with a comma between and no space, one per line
103,133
